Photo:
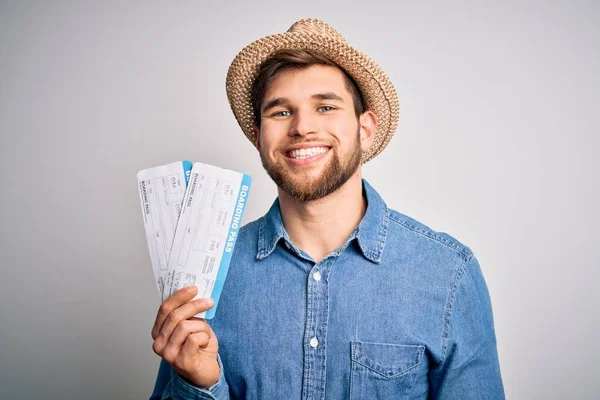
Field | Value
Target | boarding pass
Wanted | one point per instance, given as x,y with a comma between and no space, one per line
161,194
209,221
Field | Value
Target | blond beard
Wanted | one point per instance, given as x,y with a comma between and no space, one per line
333,177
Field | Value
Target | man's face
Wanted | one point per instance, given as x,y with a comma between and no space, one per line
309,140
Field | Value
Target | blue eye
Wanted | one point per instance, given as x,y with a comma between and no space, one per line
325,108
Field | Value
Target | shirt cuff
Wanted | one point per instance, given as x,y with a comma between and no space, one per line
182,389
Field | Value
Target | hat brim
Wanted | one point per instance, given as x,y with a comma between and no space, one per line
377,90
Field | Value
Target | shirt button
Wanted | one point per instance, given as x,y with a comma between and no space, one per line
317,276
314,342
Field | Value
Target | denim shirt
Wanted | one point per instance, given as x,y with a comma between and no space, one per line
399,311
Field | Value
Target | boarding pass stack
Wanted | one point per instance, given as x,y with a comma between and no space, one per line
192,214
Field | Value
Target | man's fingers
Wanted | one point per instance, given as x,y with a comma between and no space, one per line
187,328
193,343
178,298
182,332
182,313
209,329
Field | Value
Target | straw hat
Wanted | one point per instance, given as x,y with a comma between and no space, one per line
316,36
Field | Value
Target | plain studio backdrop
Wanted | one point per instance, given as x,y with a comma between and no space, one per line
496,145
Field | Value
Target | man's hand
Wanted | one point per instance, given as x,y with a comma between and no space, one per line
188,344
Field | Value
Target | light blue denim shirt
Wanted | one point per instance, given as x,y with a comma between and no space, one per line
398,312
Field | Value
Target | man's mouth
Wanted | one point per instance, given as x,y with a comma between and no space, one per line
301,154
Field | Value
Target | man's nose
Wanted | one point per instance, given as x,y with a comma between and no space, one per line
303,123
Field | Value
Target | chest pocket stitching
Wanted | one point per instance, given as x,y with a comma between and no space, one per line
383,371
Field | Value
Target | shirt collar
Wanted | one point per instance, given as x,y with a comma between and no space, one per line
370,234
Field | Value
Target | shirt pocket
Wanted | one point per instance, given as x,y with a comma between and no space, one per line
383,371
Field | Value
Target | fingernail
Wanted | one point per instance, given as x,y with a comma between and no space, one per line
191,288
210,302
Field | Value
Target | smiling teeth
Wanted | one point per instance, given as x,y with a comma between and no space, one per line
301,154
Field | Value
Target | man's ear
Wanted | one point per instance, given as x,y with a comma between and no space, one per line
367,125
256,132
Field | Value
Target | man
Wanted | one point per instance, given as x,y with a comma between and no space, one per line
330,295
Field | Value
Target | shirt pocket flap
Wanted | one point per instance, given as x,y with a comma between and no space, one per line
388,360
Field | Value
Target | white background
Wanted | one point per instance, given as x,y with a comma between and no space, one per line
496,145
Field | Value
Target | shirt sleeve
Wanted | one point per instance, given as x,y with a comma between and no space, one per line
469,368
169,385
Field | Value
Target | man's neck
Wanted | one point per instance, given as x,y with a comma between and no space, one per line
321,226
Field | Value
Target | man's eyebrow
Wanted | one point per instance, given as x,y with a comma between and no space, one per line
327,96
274,103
